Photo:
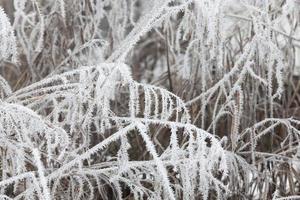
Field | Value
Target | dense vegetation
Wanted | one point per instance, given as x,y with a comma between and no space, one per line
138,99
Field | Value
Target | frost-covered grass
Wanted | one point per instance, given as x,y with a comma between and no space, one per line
138,99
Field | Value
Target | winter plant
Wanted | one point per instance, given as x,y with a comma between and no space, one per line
138,99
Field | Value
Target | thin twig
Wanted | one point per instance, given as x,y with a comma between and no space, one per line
168,63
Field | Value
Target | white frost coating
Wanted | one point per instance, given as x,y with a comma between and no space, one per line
8,47
163,99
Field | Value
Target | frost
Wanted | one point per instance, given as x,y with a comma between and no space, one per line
7,38
136,99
